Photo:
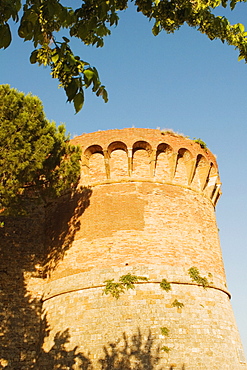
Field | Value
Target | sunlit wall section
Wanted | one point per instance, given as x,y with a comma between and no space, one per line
141,159
118,160
182,167
163,162
97,170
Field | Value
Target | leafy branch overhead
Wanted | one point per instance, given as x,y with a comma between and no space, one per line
40,20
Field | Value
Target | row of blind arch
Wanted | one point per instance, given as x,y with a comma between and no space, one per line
143,162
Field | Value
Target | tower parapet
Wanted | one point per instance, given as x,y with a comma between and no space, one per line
150,214
148,155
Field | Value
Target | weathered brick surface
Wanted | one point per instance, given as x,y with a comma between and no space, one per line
21,251
145,206
151,213
202,335
141,224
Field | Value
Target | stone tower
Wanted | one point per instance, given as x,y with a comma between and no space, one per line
147,210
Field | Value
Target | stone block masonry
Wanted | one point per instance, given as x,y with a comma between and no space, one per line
144,207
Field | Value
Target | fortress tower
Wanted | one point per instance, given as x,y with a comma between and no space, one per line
147,209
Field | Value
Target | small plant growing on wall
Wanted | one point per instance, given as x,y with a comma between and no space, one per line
115,289
165,332
173,133
165,285
165,349
129,280
202,144
195,276
177,304
125,282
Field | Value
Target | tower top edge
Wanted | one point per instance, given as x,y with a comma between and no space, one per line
154,137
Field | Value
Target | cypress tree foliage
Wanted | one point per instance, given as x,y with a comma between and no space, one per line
35,156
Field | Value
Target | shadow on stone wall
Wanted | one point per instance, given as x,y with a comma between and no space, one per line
134,353
25,245
62,222
127,353
59,357
19,325
21,249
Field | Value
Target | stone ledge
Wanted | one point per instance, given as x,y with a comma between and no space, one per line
95,279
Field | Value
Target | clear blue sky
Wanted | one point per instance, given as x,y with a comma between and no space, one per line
181,81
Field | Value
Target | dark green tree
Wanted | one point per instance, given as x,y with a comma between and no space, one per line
35,157
40,20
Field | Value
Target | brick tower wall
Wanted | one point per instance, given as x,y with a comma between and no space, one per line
147,209
21,253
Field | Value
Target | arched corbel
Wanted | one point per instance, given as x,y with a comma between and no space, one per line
211,185
130,162
191,169
216,194
204,175
152,162
107,164
173,164
85,165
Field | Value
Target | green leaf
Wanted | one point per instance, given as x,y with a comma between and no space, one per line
113,19
31,16
105,95
155,30
232,4
240,57
25,30
78,101
71,59
71,89
89,74
65,39
100,43
33,57
82,31
224,3
102,31
102,92
241,27
88,77
66,68
51,9
5,36
92,23
55,58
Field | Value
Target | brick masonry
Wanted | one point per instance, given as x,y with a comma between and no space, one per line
144,206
